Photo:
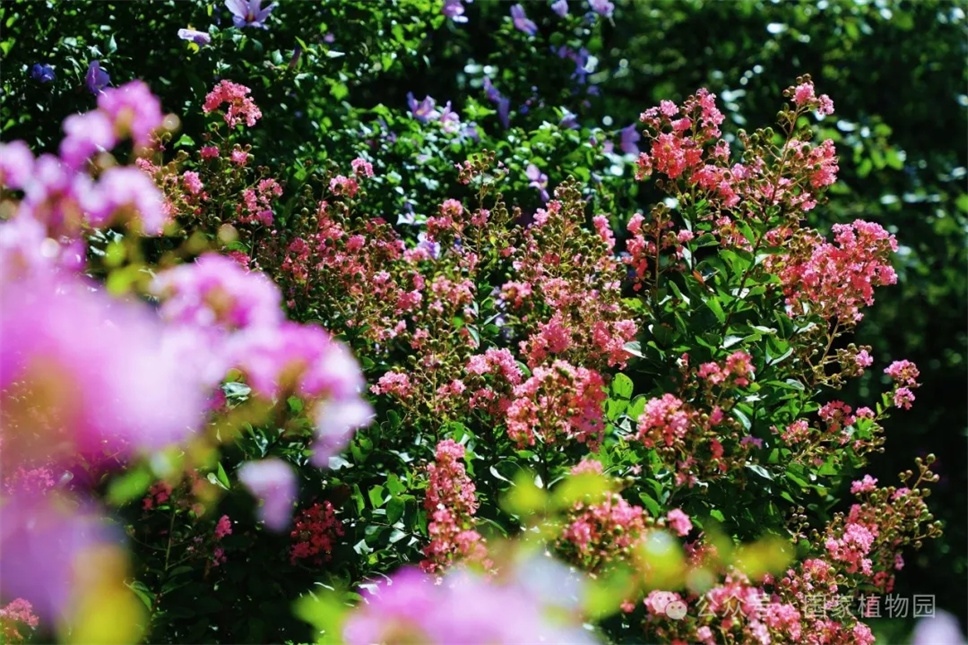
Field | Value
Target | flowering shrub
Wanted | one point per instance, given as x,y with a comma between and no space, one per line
289,384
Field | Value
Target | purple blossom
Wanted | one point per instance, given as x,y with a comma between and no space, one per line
454,9
423,111
274,484
503,110
96,78
45,539
42,73
602,7
490,91
433,248
521,22
630,137
200,38
569,120
249,13
560,7
538,180
503,104
449,119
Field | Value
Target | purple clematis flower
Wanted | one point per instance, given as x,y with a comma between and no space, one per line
454,9
630,137
503,104
521,22
449,119
249,13
538,179
424,110
96,78
560,7
433,248
42,73
569,120
200,38
602,7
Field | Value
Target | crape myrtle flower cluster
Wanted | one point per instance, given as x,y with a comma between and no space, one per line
451,505
486,337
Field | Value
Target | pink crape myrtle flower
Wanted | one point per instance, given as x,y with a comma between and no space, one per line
241,107
679,522
16,611
273,482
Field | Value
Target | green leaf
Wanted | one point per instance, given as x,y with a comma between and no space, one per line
716,308
650,504
622,386
376,496
761,471
395,509
223,477
129,486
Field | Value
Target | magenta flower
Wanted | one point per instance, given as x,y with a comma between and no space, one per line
16,164
939,629
200,38
99,368
96,78
336,420
215,292
241,106
126,191
86,134
299,359
133,109
521,21
249,13
273,483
